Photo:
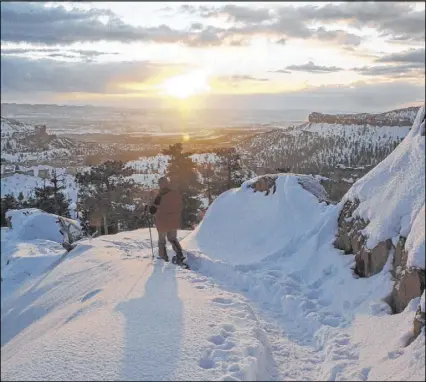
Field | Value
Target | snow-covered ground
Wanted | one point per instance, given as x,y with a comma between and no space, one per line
273,301
268,297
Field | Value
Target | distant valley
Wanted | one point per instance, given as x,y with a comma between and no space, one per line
340,148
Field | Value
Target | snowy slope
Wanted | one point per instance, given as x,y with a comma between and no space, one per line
392,196
10,127
107,312
327,141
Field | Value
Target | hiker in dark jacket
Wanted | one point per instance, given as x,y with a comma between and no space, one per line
167,208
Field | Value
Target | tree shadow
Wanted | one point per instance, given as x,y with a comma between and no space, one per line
153,329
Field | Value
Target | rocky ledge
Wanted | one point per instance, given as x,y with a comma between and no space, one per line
409,281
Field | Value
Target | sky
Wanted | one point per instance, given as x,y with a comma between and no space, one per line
348,56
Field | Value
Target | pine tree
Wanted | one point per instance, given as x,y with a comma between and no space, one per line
105,194
184,179
50,198
229,171
8,202
21,199
208,174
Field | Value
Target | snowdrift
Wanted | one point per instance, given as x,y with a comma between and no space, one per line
32,223
392,196
31,245
242,226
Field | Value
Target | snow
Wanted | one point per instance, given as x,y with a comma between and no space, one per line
392,195
158,164
36,155
422,303
32,223
385,356
154,317
327,129
26,184
415,244
238,211
268,296
10,127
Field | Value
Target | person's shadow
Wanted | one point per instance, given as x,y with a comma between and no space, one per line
153,329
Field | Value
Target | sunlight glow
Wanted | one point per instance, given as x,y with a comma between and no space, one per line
186,85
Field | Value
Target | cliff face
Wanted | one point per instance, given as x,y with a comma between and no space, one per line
400,117
382,215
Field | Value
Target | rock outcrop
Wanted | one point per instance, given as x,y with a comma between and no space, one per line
419,319
267,183
409,284
409,281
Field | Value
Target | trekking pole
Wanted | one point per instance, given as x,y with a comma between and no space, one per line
150,234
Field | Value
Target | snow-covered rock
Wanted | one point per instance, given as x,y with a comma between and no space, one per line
383,214
248,226
32,223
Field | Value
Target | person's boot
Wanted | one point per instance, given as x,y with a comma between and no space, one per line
179,254
162,252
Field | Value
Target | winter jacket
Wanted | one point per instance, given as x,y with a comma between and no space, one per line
168,210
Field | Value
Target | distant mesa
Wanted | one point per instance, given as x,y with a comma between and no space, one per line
400,117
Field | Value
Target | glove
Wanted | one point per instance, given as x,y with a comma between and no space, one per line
152,210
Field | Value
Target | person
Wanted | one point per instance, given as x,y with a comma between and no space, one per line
167,208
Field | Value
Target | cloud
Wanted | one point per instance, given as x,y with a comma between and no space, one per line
235,13
283,71
35,23
82,54
337,36
406,64
38,24
392,71
24,75
239,78
356,97
412,56
283,23
397,21
310,67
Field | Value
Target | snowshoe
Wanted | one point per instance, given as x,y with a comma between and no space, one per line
179,260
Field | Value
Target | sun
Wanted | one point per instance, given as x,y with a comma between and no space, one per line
186,85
